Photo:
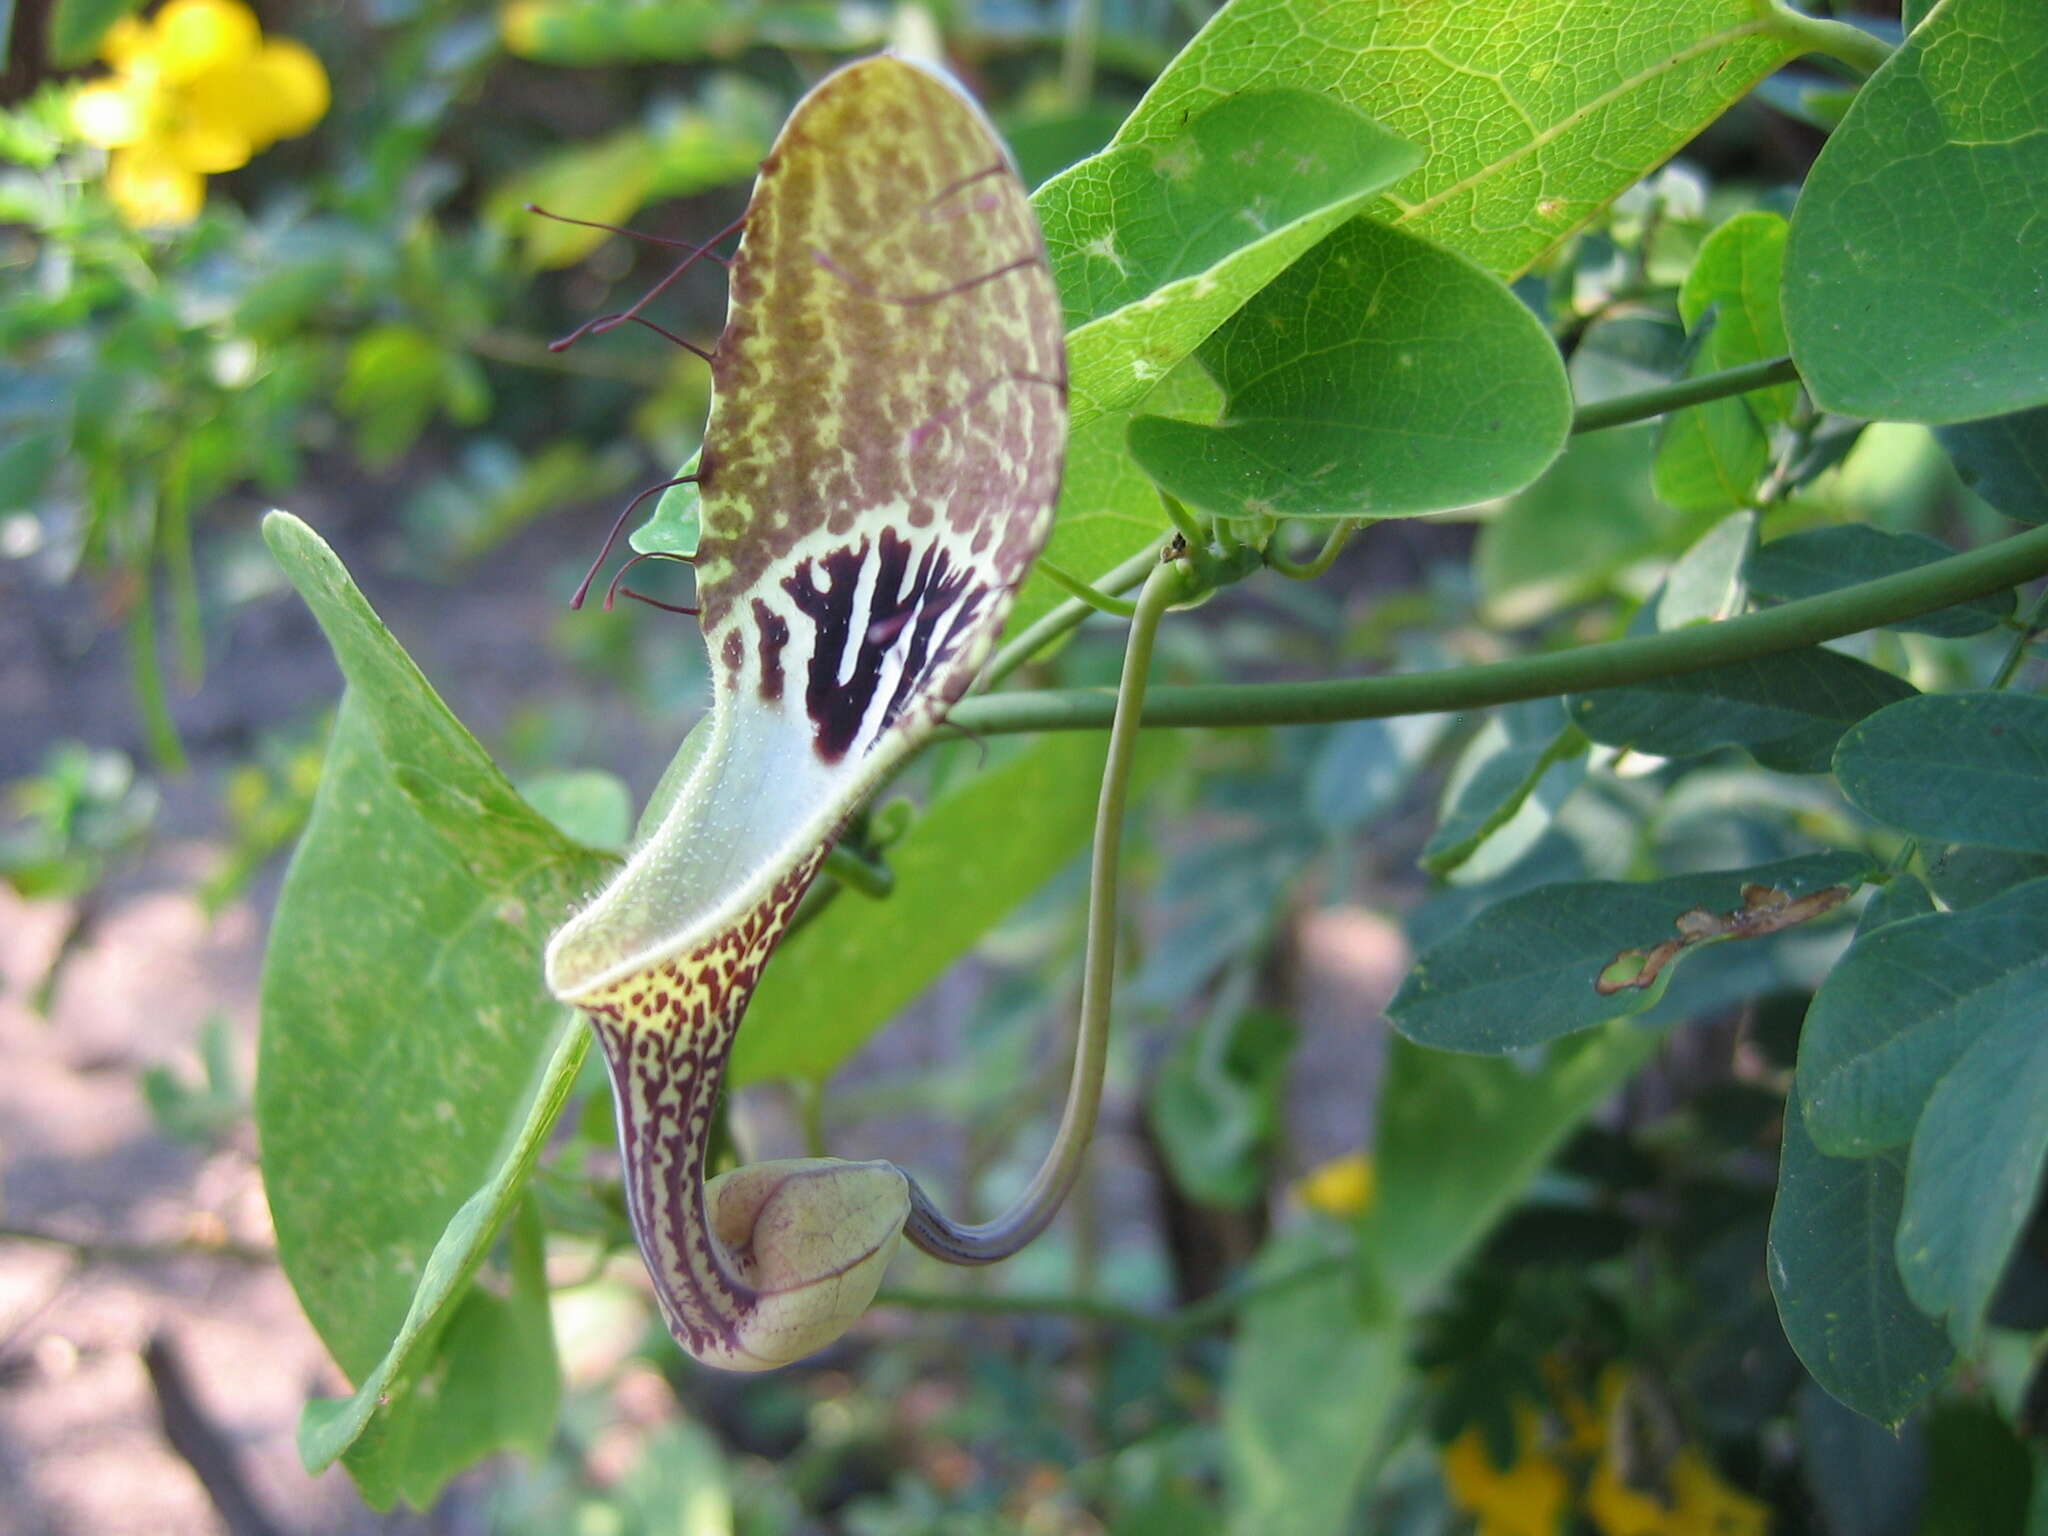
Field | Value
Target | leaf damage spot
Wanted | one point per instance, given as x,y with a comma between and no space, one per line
1765,910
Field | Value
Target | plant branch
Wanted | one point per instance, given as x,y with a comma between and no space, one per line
1080,591
1049,626
1612,664
1308,570
1034,1210
1838,40
1623,409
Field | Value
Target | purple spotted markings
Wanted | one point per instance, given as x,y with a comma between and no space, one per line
879,469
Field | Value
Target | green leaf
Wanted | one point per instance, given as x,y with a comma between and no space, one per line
1964,876
1974,1172
411,1062
1533,114
1380,376
1845,1310
76,27
1567,537
589,805
1711,456
1215,1104
1560,958
1897,899
1499,770
1954,768
1822,559
1787,711
1109,508
1902,1006
1913,277
980,849
1316,1377
1439,1195
686,149
1152,246
1308,1396
2004,459
587,32
1706,582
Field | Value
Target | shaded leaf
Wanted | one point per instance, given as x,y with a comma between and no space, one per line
1496,775
1902,1006
2004,459
76,27
1868,1480
1380,376
1897,899
1819,560
1974,1171
1706,583
1215,1104
1913,276
1560,958
1954,767
1787,711
1711,456
1964,876
1837,1285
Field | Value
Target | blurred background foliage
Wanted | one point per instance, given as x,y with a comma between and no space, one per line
340,300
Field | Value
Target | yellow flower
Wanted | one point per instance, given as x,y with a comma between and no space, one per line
1694,1502
1344,1186
195,91
1525,1499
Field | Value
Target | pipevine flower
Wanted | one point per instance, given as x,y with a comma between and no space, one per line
195,90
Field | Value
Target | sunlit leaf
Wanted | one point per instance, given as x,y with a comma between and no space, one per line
1913,276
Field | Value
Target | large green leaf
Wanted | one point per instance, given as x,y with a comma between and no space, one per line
1914,278
1820,560
1560,958
411,1062
1901,1007
1712,455
967,863
1533,114
2004,459
1787,711
1309,1393
1317,1374
1379,376
1975,1169
1844,1308
1954,768
1153,246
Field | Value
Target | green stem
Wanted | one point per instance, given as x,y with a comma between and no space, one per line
1049,626
989,1241
148,676
1190,526
851,867
1837,39
1613,664
1623,409
1080,591
1309,570
2029,626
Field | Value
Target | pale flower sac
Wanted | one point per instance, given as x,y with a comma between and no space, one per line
195,90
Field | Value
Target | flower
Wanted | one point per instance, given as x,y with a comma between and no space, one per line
1694,1502
1342,1187
194,91
1526,1498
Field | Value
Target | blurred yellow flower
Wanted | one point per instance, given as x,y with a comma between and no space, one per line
1343,1186
1527,1498
195,90
1696,1502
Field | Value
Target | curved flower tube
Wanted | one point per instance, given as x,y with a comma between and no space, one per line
879,469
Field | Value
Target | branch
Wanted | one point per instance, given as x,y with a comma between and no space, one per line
1623,409
1613,664
1837,40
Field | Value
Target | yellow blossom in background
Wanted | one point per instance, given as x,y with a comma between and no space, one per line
1341,1187
195,90
1525,1499
1696,1502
